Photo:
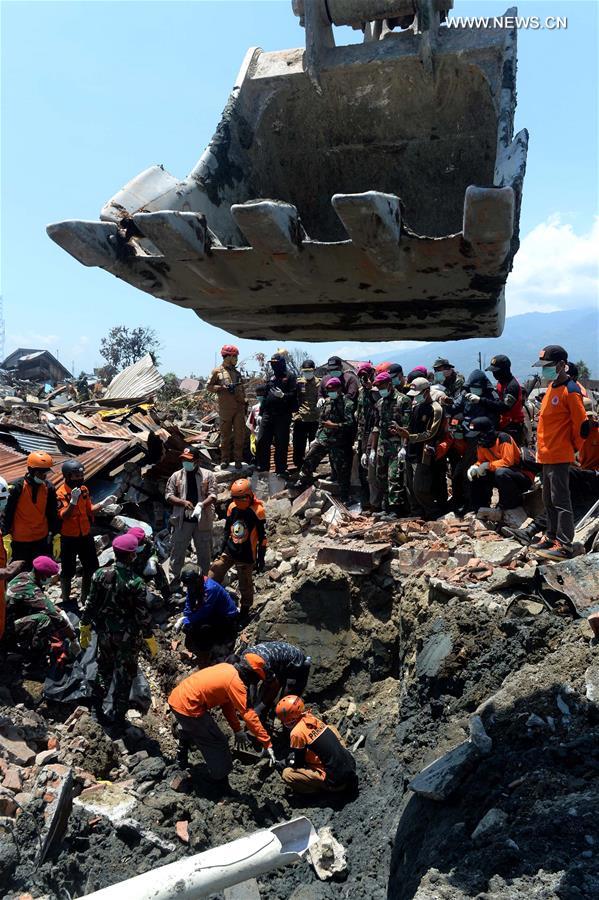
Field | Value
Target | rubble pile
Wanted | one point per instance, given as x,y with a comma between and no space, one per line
468,696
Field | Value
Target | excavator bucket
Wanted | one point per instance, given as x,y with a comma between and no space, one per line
369,191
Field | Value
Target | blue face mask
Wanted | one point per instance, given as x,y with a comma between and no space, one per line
397,381
188,465
3,505
384,392
140,549
550,372
419,399
332,395
478,392
335,373
439,377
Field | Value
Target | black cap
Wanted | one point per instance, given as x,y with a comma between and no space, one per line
480,425
552,353
477,378
395,369
276,357
308,364
498,363
334,362
442,363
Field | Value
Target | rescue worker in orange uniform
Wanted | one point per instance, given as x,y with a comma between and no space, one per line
31,514
244,541
76,512
224,686
226,383
318,761
561,431
499,465
7,571
511,413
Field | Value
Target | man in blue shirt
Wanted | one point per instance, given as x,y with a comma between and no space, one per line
210,616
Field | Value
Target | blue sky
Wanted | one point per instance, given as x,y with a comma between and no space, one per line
93,93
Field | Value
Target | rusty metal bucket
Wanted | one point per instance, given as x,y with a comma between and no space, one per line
374,194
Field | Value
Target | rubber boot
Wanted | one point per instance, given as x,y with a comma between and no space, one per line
524,536
65,589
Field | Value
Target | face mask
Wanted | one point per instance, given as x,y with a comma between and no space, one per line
384,392
419,399
279,368
335,373
3,505
439,377
457,434
397,381
332,395
308,375
140,549
550,372
188,465
478,392
74,484
39,480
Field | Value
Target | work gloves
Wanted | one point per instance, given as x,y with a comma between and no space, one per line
319,402
277,392
477,471
152,645
269,754
108,501
75,494
472,398
242,740
364,460
85,635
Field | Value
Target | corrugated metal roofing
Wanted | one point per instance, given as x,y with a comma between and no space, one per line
142,379
14,465
27,441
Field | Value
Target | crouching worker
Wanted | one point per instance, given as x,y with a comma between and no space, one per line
116,609
499,464
146,563
37,627
318,761
282,668
224,686
210,615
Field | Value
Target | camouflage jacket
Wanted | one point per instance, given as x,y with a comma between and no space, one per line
117,603
365,416
394,408
24,597
341,411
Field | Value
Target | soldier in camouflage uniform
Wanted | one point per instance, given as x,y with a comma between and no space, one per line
117,610
146,563
334,433
370,487
392,411
33,621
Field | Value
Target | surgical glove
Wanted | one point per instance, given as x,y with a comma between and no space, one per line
473,472
108,501
152,645
402,454
179,623
472,398
372,457
364,460
277,392
85,636
75,494
269,753
319,402
242,740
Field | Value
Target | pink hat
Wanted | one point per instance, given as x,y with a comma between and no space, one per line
422,369
46,566
127,543
137,533
382,378
333,383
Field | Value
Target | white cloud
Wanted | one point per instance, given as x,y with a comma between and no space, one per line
554,269
32,340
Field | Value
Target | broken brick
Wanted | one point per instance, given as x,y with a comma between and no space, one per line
53,742
12,779
182,829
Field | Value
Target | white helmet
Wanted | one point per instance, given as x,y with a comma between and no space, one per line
4,489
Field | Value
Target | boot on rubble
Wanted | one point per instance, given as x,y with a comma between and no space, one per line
524,536
65,589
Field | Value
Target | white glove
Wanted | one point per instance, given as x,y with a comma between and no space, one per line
151,567
179,623
319,402
402,454
372,457
269,753
473,472
108,501
472,398
277,392
364,460
75,494
197,511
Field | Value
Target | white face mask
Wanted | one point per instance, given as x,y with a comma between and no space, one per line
308,375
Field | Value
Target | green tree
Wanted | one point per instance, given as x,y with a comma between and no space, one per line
171,388
123,346
583,370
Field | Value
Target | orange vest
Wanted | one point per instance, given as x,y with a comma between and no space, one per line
2,587
79,522
30,522
589,454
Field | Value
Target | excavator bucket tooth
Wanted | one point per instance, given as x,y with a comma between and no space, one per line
397,177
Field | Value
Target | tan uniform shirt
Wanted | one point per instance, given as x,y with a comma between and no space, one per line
307,391
228,401
176,486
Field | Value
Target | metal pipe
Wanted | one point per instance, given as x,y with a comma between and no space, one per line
212,871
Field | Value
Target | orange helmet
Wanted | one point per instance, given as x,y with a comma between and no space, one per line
39,459
241,493
290,709
256,663
382,367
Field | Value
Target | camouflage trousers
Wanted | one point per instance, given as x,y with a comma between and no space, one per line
118,660
339,459
391,474
34,632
